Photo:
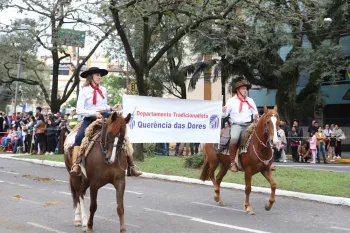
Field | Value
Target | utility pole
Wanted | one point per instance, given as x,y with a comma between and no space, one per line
18,75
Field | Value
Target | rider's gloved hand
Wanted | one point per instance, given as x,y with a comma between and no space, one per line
98,115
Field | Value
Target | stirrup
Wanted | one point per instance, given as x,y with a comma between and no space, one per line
75,173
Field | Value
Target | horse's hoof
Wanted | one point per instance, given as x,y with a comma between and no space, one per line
267,208
85,228
123,230
89,230
217,198
220,203
77,223
251,212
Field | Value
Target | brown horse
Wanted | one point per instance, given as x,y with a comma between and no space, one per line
99,173
257,159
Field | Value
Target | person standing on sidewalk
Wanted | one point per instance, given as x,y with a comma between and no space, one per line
313,148
294,144
339,135
332,144
327,132
321,138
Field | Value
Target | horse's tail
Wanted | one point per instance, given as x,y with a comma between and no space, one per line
206,165
74,194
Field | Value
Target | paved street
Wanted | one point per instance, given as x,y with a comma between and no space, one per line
32,203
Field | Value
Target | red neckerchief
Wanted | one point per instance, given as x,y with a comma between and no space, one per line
96,89
243,101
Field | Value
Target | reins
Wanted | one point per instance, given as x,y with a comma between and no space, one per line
266,132
104,142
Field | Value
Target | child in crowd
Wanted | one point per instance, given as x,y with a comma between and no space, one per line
313,148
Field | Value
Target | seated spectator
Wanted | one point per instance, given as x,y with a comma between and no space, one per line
11,138
17,144
304,153
6,140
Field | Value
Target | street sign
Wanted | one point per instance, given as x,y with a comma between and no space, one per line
72,38
132,88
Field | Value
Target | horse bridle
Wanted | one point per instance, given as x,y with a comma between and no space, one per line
105,142
266,131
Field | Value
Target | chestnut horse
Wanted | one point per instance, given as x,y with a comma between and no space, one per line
257,159
99,173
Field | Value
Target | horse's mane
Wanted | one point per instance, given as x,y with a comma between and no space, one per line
117,124
250,129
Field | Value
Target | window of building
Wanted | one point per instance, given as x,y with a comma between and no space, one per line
63,72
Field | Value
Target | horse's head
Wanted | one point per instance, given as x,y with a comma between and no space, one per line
115,131
271,121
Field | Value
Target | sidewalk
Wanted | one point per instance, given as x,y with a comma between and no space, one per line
344,159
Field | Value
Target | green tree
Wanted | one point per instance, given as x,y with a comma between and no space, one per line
252,48
51,17
33,73
72,103
148,19
115,85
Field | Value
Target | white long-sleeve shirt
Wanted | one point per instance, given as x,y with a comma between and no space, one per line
85,107
233,105
327,132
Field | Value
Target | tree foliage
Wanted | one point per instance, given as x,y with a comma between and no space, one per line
50,18
253,48
115,85
33,73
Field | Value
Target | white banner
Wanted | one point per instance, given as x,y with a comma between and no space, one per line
172,120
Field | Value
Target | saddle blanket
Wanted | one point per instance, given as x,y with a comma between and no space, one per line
92,134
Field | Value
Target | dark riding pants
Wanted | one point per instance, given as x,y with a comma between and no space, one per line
86,122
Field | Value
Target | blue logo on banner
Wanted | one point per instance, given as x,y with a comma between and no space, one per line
132,122
214,122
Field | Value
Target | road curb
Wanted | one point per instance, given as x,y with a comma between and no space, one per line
37,161
305,196
335,160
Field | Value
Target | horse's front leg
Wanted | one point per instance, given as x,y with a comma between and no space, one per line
120,188
83,213
93,207
248,188
268,175
77,218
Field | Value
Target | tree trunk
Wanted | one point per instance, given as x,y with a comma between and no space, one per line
307,98
286,95
55,106
183,91
223,93
138,147
141,84
138,152
55,103
224,77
